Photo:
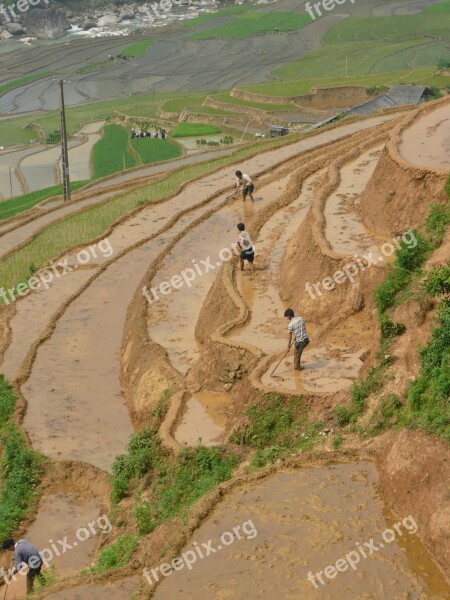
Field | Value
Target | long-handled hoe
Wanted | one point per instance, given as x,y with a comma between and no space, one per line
284,356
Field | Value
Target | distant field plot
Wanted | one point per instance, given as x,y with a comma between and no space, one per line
155,150
193,129
303,86
224,12
266,107
111,152
137,49
360,58
5,87
249,24
429,22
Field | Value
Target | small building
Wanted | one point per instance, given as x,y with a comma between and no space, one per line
278,130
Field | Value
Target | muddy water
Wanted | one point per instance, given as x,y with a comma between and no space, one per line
266,328
427,141
80,156
173,319
119,590
265,160
32,313
60,516
204,418
75,408
39,170
344,230
297,522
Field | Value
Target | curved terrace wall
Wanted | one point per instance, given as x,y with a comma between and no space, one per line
320,98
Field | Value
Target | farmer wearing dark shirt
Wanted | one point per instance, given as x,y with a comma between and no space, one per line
25,553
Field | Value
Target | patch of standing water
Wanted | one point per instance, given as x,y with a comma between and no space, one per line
60,518
204,418
344,230
293,525
173,318
266,327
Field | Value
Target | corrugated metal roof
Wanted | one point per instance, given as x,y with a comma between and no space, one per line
371,106
406,94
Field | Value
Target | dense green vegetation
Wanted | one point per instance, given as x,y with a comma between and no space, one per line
276,427
20,467
249,24
426,404
111,153
153,150
16,205
193,130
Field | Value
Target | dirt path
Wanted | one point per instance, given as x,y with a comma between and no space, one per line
80,156
297,522
426,142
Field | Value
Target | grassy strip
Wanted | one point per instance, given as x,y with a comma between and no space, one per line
249,24
137,49
20,467
276,428
115,555
80,228
110,154
22,81
193,130
154,150
13,206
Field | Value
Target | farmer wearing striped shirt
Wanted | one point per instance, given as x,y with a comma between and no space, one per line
297,329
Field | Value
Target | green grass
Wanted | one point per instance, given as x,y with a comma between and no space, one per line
193,130
111,154
390,28
20,467
249,24
13,206
227,99
442,8
303,86
364,58
176,483
81,227
115,555
5,87
137,49
276,427
154,150
224,12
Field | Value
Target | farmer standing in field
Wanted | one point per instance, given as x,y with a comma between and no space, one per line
246,247
246,181
25,553
297,329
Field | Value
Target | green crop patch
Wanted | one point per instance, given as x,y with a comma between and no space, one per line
155,150
249,24
111,154
193,130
